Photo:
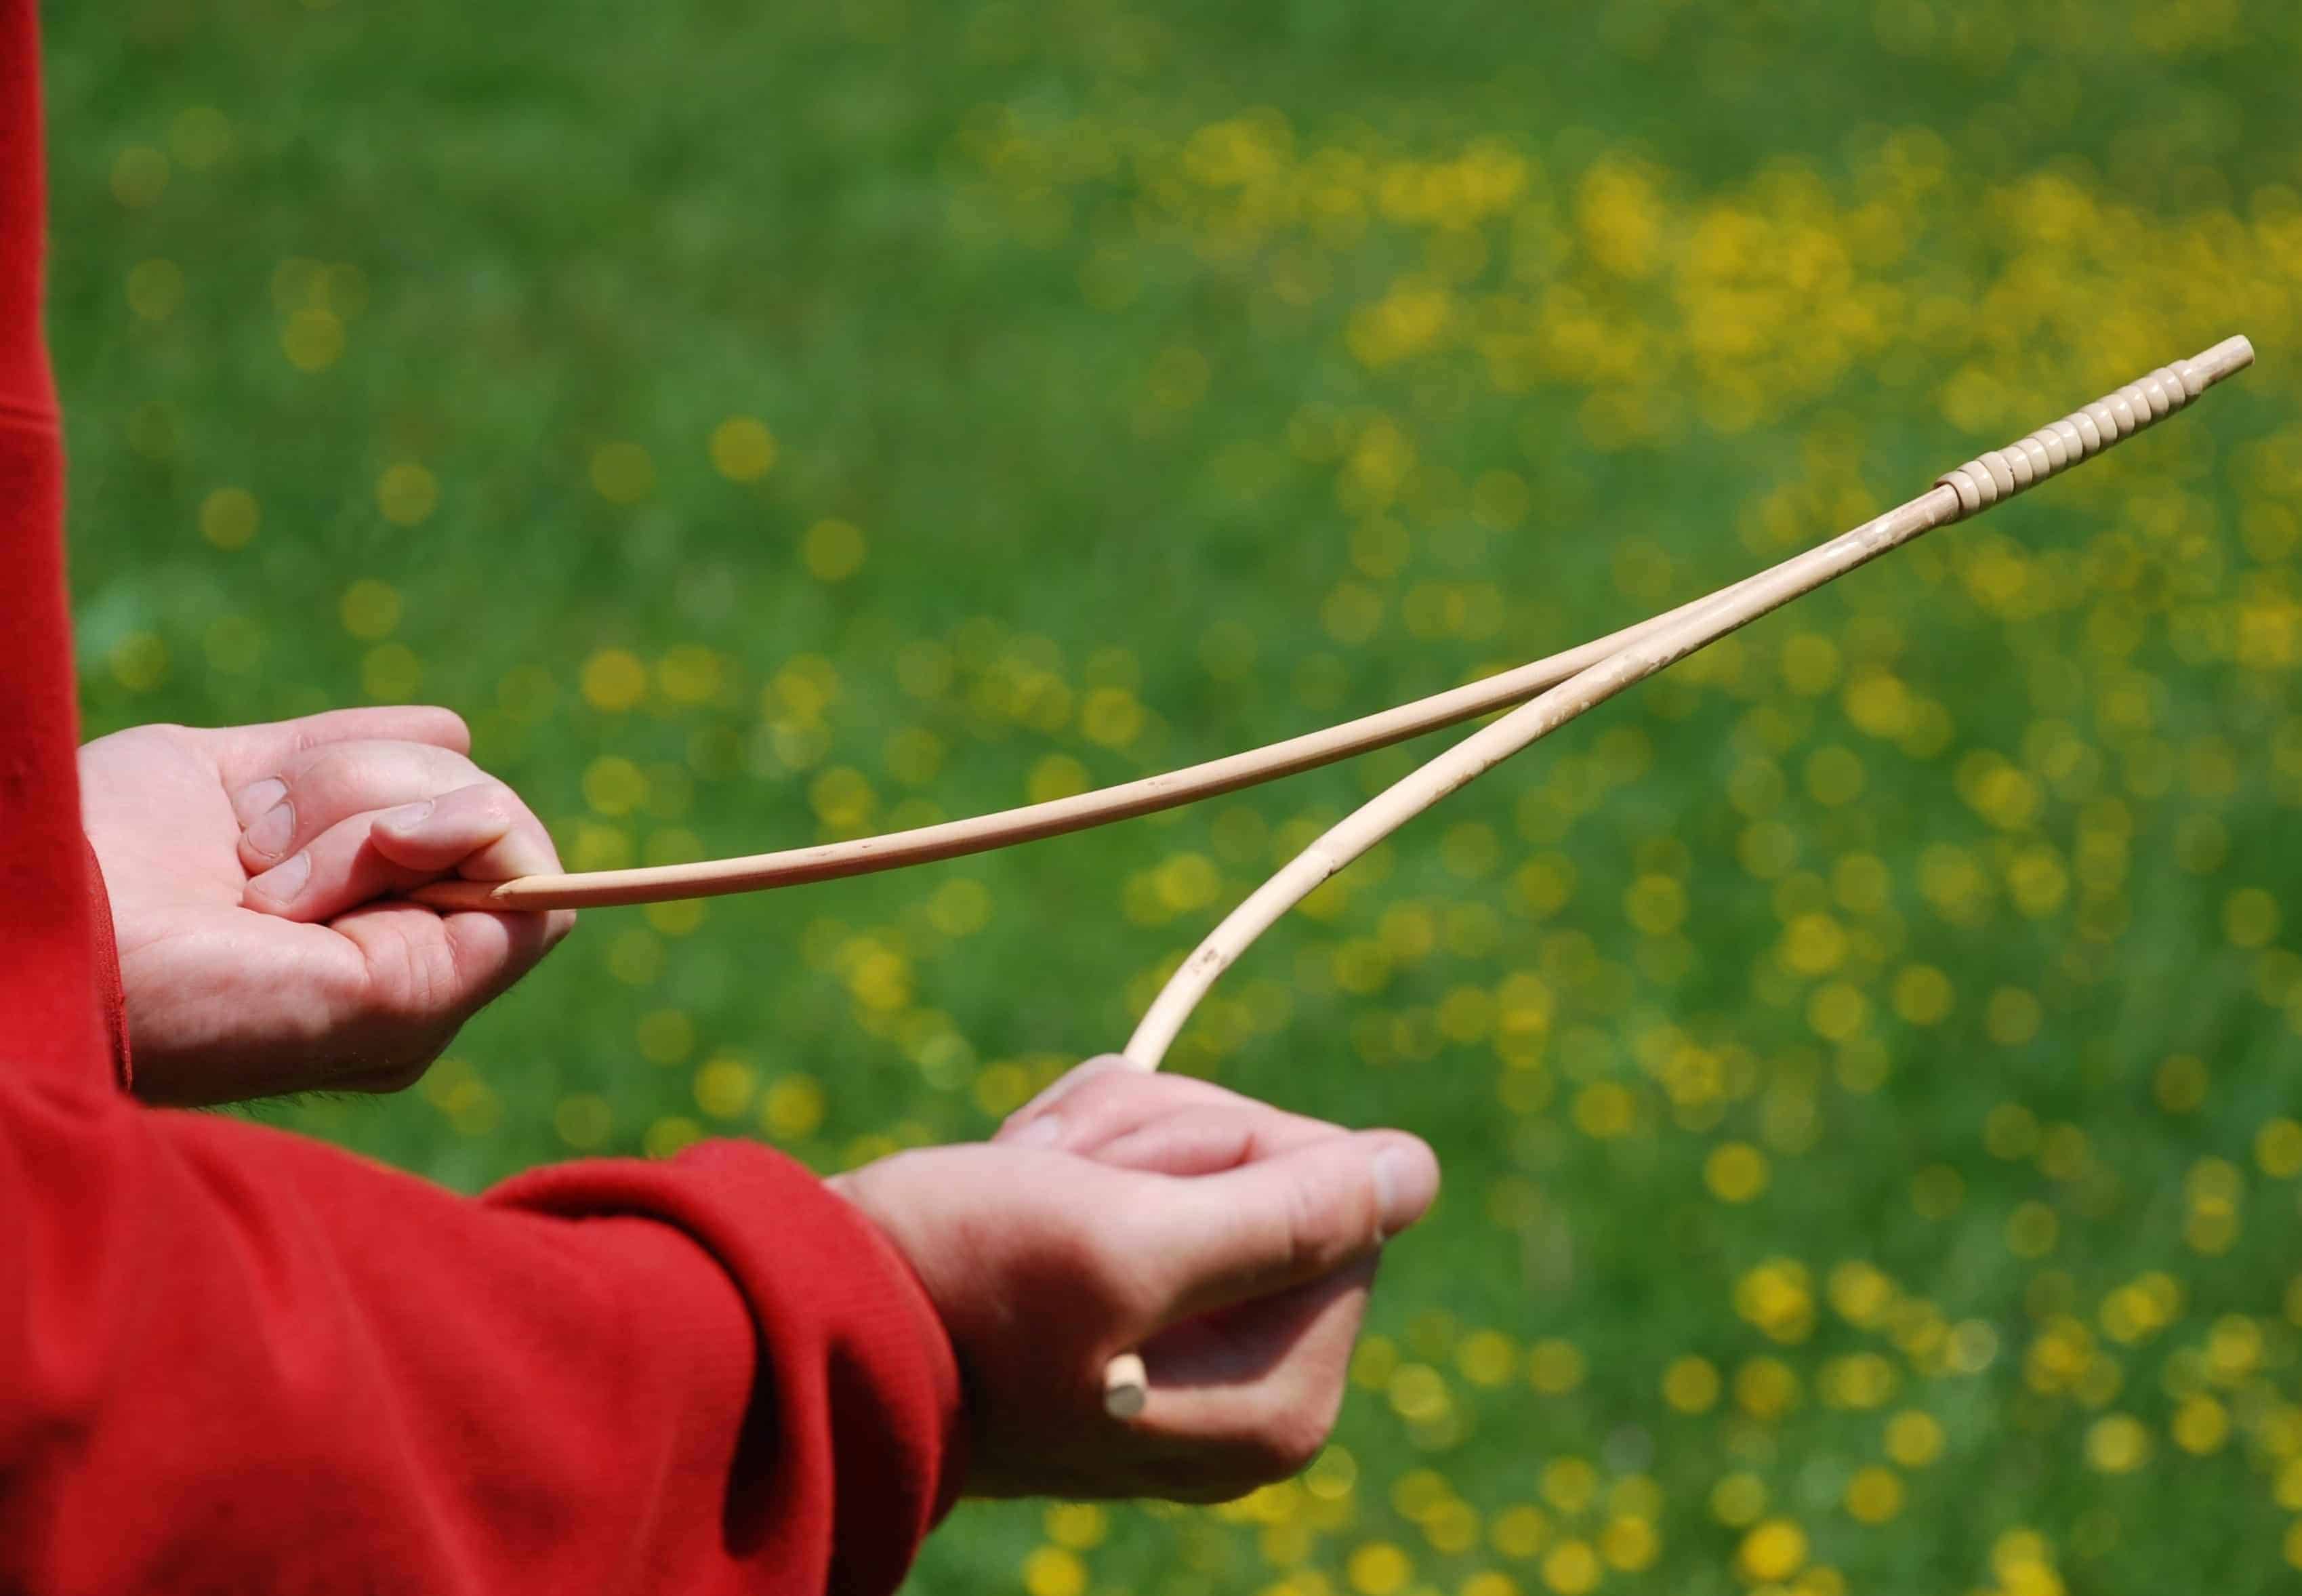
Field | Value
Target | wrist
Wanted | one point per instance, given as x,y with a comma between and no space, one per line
111,994
971,1469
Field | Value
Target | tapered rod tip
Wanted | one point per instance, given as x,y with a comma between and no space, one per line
2226,358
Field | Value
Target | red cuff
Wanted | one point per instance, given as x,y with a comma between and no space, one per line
111,997
850,1453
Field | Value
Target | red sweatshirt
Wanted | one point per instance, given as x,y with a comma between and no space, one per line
234,1360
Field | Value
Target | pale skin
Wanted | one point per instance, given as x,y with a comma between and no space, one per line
257,876
255,873
1229,1242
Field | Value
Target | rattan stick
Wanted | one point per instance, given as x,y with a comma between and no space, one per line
980,834
1974,486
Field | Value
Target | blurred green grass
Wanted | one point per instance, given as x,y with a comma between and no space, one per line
1857,1057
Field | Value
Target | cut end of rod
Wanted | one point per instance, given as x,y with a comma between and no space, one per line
1126,1386
2226,358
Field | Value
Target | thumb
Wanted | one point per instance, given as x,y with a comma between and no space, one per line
481,831
1303,1213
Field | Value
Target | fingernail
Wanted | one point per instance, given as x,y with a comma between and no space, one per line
1044,1132
282,882
1402,1188
406,817
258,796
272,829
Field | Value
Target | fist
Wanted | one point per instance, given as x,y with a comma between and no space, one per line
1230,1243
256,875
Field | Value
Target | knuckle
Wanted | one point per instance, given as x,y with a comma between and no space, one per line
334,779
1120,1089
1095,1101
1301,1220
1111,1086
1283,1447
1332,1222
1013,1124
495,802
300,741
325,764
1091,1265
1295,1436
414,981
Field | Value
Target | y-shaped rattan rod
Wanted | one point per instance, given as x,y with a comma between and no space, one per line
980,834
1974,486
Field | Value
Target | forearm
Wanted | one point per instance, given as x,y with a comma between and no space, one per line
242,1360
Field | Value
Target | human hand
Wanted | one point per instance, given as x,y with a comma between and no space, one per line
254,872
1230,1243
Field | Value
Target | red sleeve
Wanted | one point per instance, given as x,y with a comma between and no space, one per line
236,1360
49,1012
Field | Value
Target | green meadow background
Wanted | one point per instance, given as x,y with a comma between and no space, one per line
1863,1058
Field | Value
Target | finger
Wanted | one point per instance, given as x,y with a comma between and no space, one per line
365,858
1255,1391
247,753
1208,1242
297,801
482,832
1101,1100
1206,1140
1078,1075
426,973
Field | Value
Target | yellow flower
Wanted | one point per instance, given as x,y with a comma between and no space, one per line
792,1109
833,550
1772,1552
1735,1172
228,517
743,449
407,493
1914,1439
1738,1498
1691,1384
1554,1366
1874,1495
2117,1444
1571,1568
1054,1571
614,680
1378,1569
370,608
